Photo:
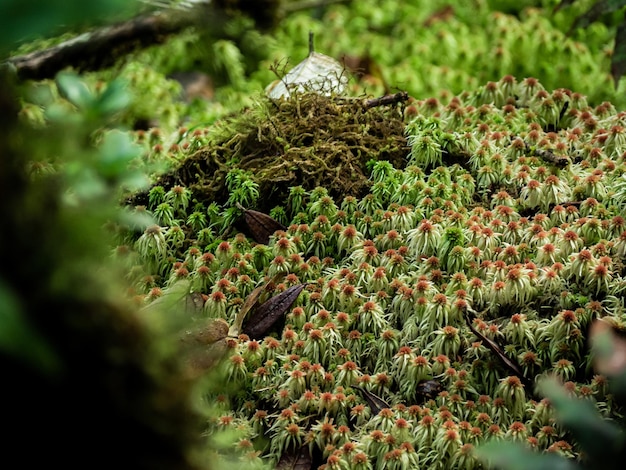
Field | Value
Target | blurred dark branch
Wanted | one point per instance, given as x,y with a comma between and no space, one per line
103,47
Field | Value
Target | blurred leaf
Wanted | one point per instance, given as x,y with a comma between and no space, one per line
609,355
19,339
204,346
512,456
211,331
135,181
609,349
86,185
113,99
23,20
138,221
72,88
599,438
116,153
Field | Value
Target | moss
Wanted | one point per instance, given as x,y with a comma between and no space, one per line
309,141
475,282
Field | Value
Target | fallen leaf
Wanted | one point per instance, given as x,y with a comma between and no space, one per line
429,388
250,302
511,364
260,225
268,313
204,346
375,403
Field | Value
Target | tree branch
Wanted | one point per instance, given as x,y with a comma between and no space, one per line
101,48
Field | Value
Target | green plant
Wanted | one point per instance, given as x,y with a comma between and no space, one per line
602,441
77,350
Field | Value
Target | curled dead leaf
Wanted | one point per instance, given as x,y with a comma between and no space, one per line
268,313
260,225
204,346
318,72
250,303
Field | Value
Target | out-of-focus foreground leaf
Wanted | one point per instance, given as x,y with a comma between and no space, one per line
609,350
511,456
23,20
18,338
600,439
204,346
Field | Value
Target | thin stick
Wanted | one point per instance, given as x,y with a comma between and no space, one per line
387,100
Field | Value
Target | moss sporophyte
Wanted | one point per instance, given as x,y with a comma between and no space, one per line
447,287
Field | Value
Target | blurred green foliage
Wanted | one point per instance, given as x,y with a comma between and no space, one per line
602,441
88,381
24,21
83,160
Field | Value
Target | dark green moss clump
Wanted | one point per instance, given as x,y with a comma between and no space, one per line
309,140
